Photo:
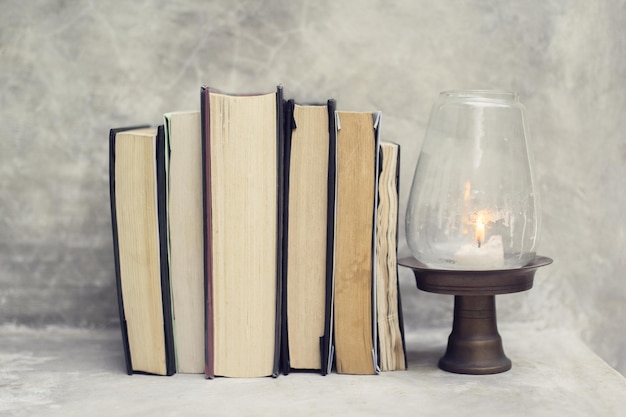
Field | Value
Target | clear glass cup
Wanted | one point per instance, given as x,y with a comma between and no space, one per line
473,205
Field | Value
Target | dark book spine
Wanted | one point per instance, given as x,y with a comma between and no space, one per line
207,231
170,358
280,154
400,313
376,118
289,125
116,251
326,341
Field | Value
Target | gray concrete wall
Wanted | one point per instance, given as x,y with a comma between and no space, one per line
69,71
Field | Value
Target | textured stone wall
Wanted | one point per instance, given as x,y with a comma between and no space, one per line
69,71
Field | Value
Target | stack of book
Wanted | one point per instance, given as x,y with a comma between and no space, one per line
257,236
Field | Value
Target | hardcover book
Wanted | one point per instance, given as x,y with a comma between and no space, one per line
137,192
185,238
243,201
308,241
355,236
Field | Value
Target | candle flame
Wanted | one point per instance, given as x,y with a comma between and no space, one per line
480,230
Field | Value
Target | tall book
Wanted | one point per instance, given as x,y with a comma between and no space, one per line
308,240
355,237
243,191
185,237
137,191
391,347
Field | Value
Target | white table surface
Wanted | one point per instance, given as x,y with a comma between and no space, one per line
71,372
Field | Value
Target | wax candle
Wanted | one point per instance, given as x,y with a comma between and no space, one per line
489,255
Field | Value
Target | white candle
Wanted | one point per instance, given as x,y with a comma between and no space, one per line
488,255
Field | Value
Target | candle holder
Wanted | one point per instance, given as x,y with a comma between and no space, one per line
474,346
473,219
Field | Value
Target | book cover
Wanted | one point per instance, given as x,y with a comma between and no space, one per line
185,238
135,223
116,256
243,203
308,219
170,357
327,345
355,330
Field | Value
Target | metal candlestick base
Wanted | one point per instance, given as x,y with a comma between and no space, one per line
474,346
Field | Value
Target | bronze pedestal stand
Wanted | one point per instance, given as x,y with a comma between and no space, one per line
474,346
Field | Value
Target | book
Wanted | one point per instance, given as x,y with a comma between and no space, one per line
185,237
243,209
355,237
137,193
391,347
309,217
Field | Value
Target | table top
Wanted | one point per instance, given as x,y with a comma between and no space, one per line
67,372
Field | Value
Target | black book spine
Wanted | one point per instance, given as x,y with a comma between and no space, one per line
289,125
280,154
376,117
170,358
326,341
400,312
206,209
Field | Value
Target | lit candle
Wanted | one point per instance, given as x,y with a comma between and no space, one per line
480,230
483,255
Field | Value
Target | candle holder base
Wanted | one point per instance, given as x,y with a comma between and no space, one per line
474,346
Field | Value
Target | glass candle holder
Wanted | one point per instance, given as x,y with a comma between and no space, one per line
473,205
